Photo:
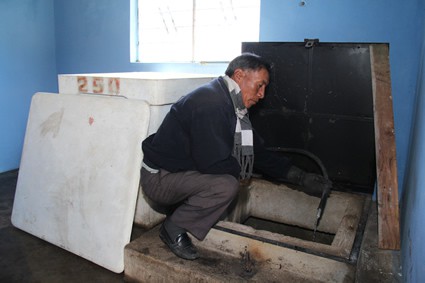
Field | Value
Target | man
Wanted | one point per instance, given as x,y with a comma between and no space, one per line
204,147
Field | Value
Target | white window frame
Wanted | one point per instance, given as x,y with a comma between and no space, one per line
212,33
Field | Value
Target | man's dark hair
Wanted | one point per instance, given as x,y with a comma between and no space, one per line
247,61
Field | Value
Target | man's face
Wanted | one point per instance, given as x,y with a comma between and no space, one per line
252,84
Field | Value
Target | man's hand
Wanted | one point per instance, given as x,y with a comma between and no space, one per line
312,184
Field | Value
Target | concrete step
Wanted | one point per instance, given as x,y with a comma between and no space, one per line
227,257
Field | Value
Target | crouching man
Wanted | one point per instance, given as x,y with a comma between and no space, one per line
204,147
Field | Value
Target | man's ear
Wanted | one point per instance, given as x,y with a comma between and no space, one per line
238,75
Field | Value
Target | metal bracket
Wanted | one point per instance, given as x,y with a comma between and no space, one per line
311,42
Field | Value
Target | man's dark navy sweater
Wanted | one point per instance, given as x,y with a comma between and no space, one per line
198,134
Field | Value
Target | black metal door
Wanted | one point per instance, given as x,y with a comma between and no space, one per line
320,100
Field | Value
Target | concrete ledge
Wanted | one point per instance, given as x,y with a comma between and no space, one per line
281,204
227,257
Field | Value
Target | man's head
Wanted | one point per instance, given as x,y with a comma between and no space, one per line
251,73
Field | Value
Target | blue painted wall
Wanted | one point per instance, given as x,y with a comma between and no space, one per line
27,65
94,36
412,206
43,38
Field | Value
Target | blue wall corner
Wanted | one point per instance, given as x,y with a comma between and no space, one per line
28,65
413,198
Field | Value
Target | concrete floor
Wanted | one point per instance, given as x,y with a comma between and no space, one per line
25,258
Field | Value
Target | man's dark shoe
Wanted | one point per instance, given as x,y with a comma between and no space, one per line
181,246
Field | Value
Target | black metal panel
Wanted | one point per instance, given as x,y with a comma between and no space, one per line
290,76
341,145
320,99
341,80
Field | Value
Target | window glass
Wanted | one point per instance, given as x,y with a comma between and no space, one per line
195,30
